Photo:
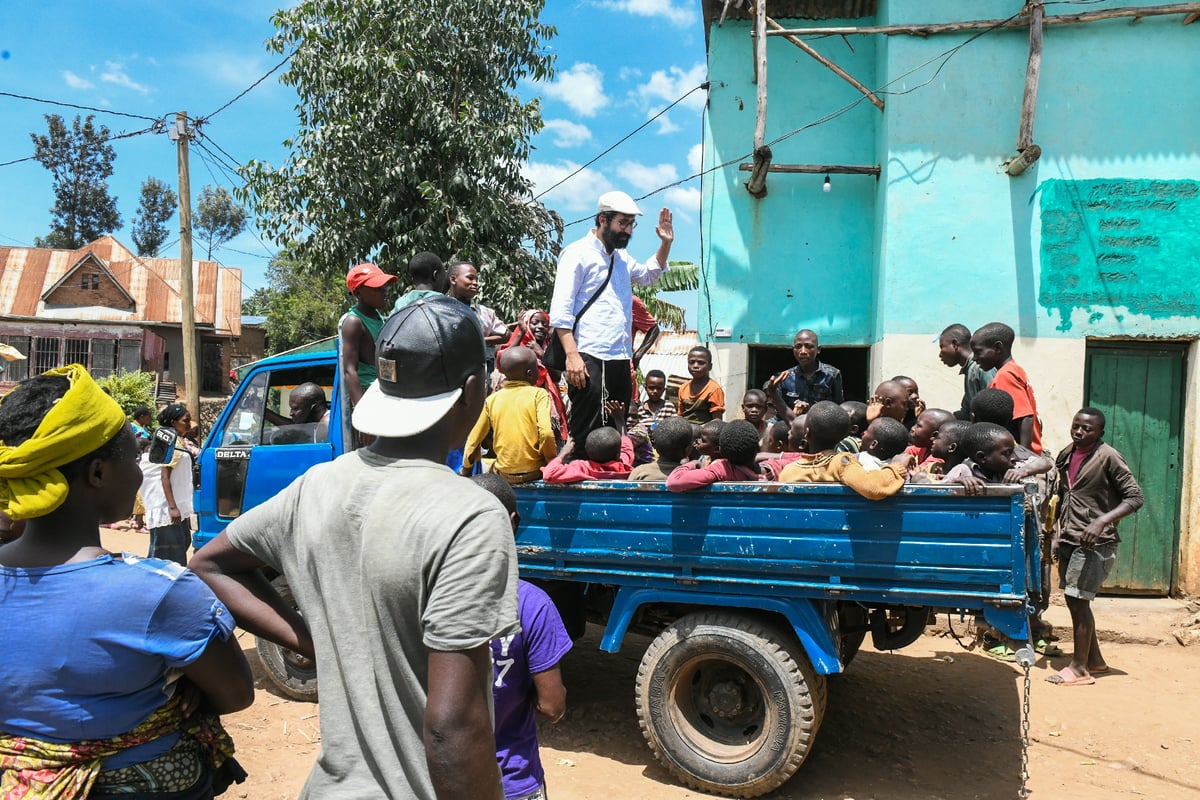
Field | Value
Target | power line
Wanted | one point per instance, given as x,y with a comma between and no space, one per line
247,90
157,127
620,141
73,105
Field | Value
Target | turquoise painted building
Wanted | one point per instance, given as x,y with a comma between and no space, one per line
1092,254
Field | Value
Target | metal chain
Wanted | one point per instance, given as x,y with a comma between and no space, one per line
1023,792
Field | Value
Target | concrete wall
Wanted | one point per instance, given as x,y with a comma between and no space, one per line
1094,241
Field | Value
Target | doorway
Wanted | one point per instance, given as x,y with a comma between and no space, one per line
854,362
1139,387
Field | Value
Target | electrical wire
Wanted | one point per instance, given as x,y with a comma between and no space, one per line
79,107
619,142
247,90
155,128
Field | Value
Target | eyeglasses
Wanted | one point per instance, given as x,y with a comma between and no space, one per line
628,224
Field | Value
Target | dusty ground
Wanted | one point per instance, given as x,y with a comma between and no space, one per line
931,721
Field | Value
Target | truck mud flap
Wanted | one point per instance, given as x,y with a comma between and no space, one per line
887,635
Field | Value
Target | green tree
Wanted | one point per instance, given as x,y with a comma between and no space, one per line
300,307
218,217
80,163
681,277
411,137
157,206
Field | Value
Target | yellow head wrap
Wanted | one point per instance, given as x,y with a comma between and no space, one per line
82,420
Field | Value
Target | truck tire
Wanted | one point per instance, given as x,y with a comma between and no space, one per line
729,703
293,674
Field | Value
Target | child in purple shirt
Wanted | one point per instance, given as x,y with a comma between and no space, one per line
527,679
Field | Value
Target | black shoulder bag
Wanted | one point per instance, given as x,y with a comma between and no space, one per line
555,357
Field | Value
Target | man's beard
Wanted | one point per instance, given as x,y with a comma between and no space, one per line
615,239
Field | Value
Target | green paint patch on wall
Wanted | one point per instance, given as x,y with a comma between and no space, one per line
1111,243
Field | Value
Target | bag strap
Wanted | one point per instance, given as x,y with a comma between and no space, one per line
611,259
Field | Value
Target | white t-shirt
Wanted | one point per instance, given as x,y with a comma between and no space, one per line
387,559
158,514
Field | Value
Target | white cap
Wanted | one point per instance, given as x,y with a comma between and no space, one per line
619,202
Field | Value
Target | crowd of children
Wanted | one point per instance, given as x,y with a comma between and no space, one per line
797,428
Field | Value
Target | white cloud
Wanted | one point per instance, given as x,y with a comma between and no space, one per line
114,73
76,82
576,196
665,125
581,88
628,74
666,86
683,200
642,178
567,133
683,14
695,158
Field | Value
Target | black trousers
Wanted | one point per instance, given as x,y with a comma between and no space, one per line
607,380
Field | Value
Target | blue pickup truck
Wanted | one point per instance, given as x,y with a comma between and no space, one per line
753,593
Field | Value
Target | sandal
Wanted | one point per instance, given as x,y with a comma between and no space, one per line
1002,652
1047,648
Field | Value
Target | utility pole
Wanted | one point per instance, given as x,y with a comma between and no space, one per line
180,134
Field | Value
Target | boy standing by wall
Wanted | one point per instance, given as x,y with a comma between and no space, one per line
954,350
1097,490
992,345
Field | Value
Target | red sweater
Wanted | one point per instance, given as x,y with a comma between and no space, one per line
583,470
689,476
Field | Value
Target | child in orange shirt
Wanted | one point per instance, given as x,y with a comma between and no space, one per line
992,346
701,399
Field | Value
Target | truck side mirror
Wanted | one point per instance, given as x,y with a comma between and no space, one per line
162,445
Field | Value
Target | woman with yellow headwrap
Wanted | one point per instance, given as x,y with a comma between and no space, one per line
113,666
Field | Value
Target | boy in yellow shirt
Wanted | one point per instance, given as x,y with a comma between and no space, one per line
518,417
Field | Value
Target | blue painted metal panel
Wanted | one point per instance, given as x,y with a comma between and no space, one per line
754,543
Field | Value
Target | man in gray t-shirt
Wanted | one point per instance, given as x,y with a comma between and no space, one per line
402,570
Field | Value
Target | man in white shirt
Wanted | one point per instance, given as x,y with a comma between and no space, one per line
597,342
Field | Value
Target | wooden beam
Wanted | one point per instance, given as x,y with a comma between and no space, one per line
1190,18
980,24
818,169
1023,160
1033,73
841,73
757,185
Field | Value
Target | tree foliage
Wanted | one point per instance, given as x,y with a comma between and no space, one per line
155,209
411,137
682,276
130,389
300,307
80,163
218,217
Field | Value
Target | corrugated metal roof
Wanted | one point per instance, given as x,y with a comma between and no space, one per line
793,9
153,283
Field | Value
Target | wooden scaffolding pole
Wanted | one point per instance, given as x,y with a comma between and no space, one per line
841,73
757,185
1033,74
1135,12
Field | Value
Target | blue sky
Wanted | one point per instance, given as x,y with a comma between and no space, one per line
619,62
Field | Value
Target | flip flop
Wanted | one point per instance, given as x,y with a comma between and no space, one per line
1047,649
1002,652
1067,677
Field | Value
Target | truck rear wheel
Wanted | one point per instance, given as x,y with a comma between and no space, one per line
729,703
292,673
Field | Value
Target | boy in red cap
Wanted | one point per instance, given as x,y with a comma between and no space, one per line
360,326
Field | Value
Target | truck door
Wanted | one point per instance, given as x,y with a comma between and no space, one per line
258,450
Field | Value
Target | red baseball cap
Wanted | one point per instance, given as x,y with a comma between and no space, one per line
367,275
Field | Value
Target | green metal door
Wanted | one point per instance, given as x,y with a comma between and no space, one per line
1139,387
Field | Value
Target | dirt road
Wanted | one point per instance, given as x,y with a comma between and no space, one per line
931,721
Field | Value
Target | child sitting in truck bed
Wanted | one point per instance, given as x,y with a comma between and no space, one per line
921,436
609,458
772,464
890,400
882,441
828,424
944,452
672,438
858,423
738,445
707,446
777,437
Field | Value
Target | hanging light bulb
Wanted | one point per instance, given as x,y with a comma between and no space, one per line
827,186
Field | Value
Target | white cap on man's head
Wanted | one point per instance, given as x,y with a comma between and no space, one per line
617,202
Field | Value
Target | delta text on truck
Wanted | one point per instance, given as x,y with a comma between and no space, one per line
753,593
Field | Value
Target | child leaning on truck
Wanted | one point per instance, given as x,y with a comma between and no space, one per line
527,680
738,447
828,424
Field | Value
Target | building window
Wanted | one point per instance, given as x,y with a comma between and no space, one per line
129,355
104,356
75,351
96,281
45,354
16,370
83,280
